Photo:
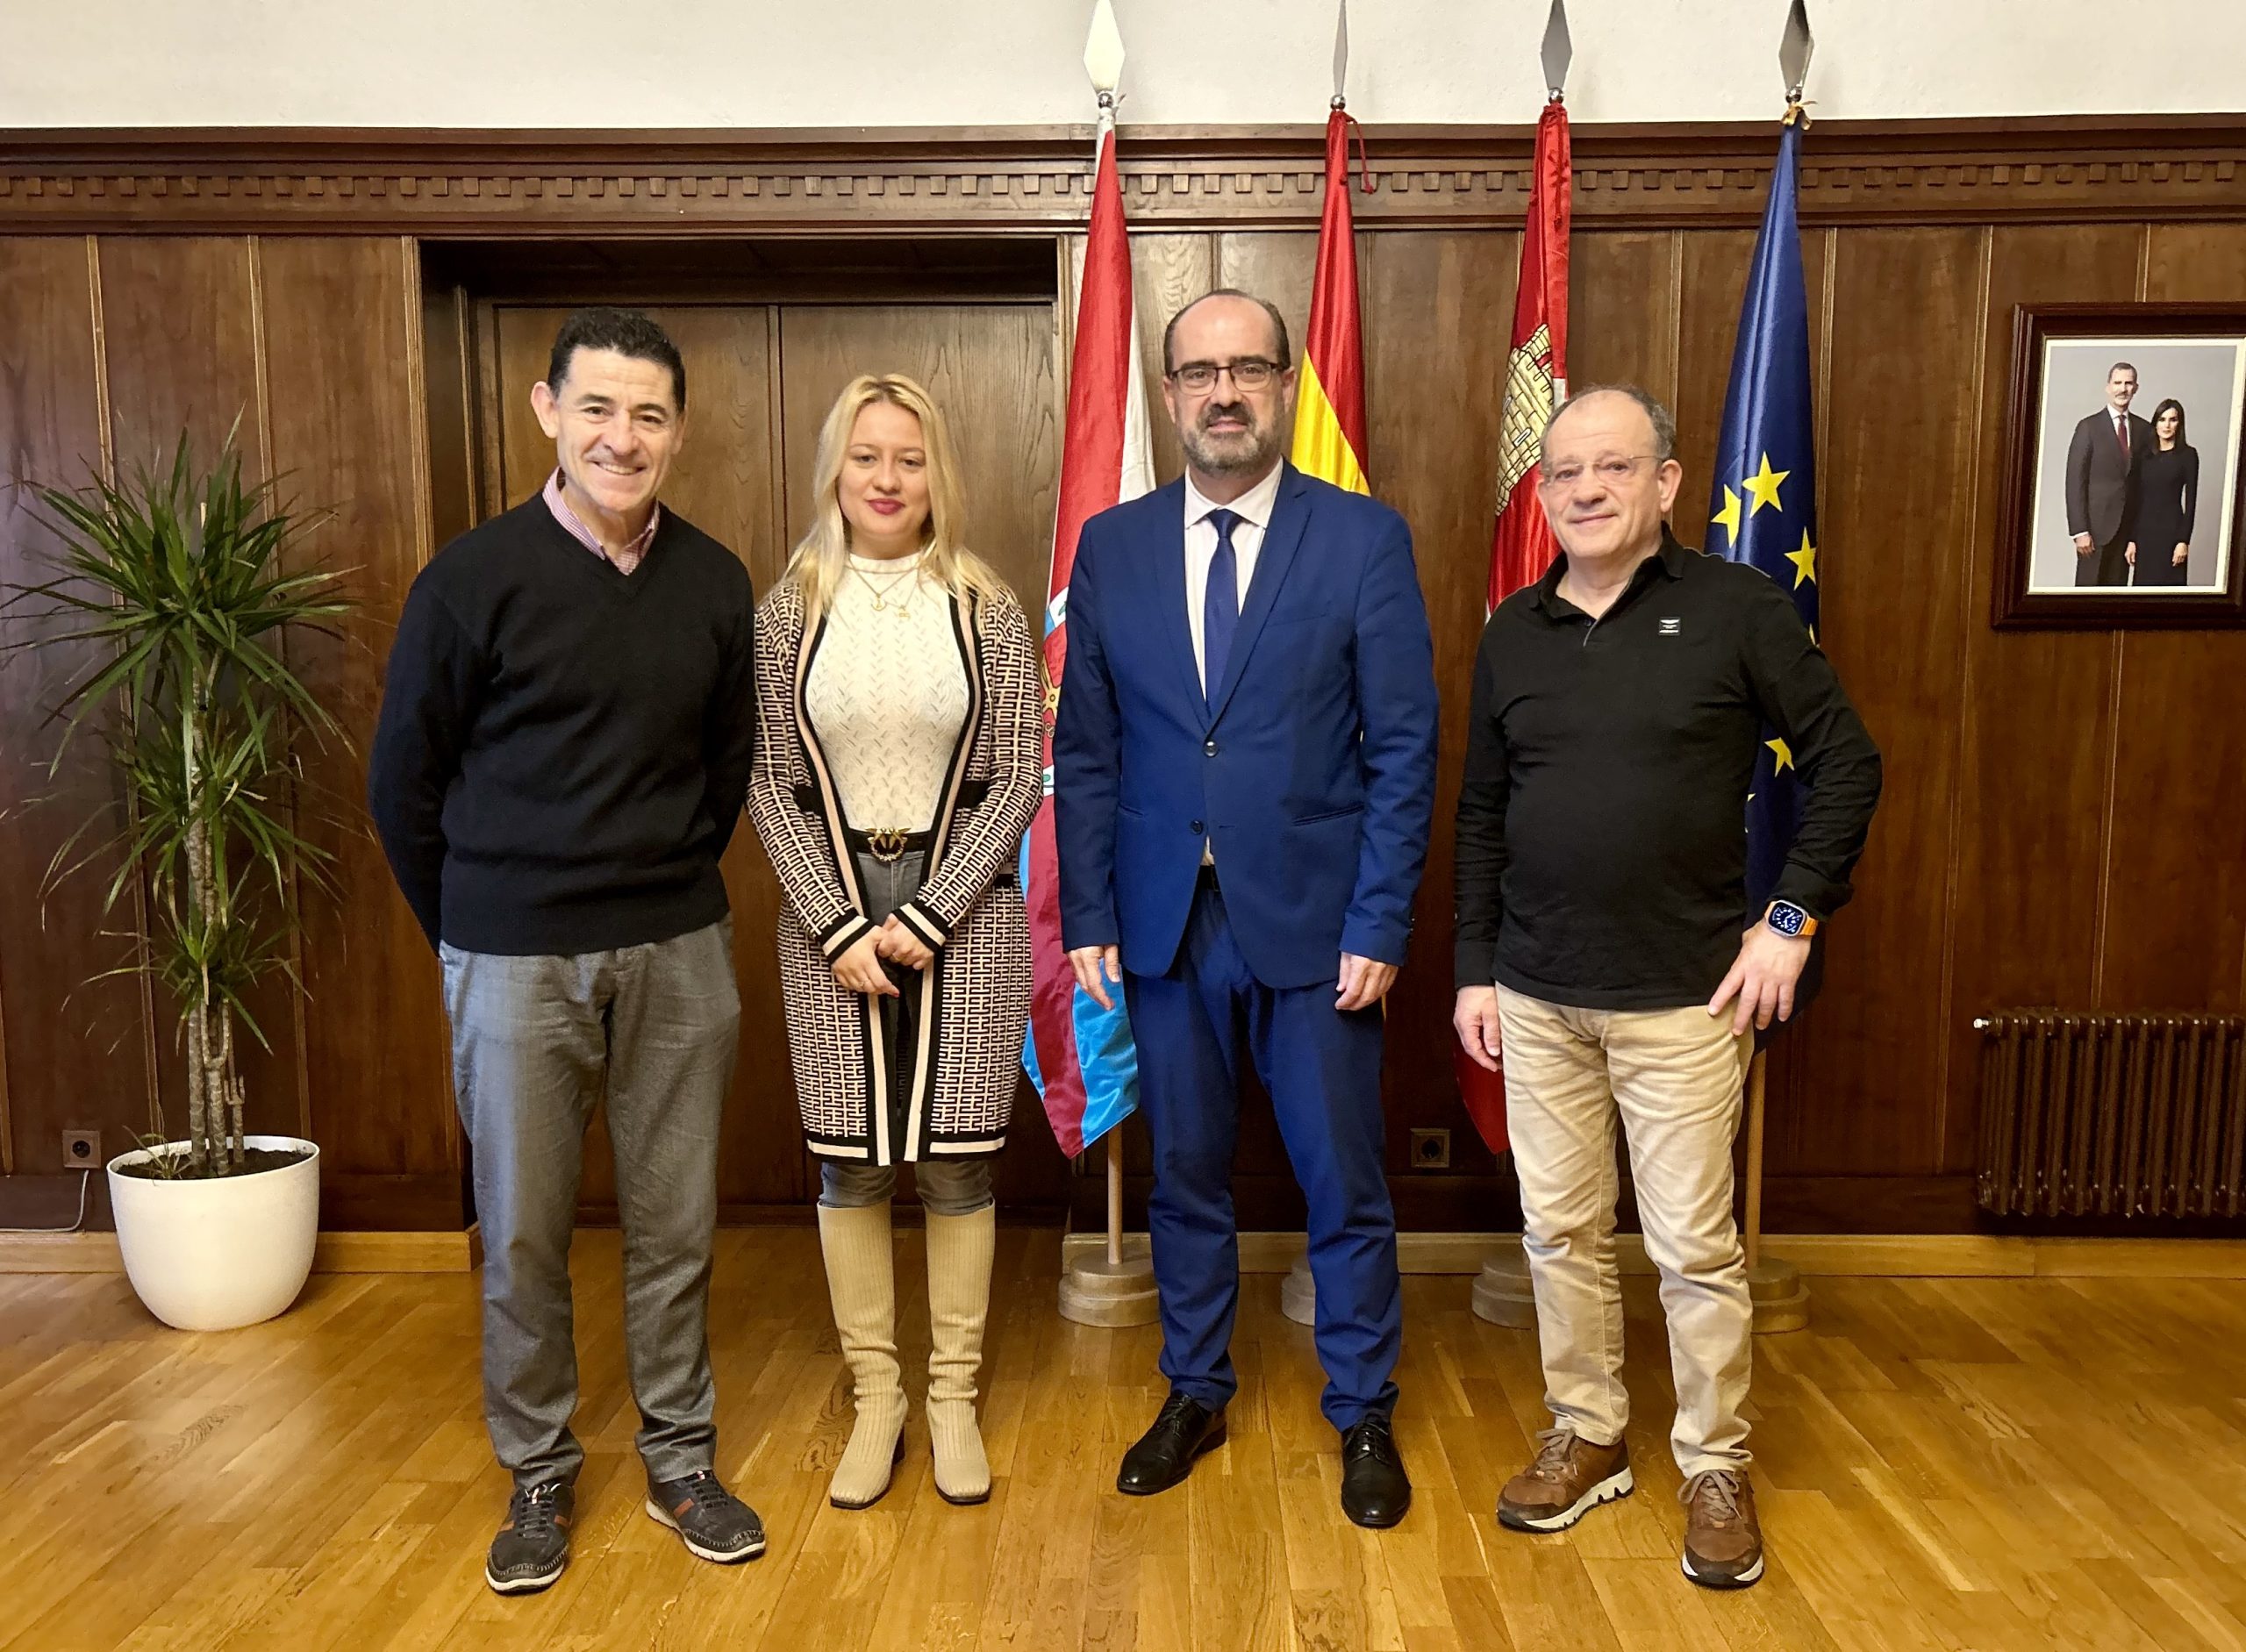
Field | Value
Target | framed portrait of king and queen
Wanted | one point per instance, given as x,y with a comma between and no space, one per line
2123,503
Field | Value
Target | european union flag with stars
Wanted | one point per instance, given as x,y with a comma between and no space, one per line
1763,507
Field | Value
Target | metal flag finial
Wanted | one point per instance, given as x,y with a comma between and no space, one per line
1794,48
1558,51
1103,53
1341,51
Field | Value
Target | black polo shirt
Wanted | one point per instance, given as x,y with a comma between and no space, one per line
1602,849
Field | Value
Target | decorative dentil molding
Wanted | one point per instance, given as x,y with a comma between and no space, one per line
976,180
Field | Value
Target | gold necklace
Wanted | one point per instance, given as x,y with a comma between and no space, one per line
880,593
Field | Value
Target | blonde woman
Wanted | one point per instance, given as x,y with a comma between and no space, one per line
897,764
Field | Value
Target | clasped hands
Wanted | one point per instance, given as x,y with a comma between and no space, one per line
860,966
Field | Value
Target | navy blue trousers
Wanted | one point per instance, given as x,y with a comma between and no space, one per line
1322,1068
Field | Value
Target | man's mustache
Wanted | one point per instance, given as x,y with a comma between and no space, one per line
1227,409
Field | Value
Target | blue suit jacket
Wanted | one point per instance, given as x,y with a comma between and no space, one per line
1310,767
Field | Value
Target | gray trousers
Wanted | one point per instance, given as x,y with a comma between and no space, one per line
537,1042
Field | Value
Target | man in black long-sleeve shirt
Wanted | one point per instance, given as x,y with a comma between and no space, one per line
1604,946
563,751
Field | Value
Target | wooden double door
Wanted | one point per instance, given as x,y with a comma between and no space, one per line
760,380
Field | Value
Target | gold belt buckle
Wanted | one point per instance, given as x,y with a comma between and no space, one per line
888,844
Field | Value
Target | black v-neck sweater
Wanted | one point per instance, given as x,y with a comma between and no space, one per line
563,749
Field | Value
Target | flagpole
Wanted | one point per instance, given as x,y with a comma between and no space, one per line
1757,1076
1299,1291
1504,1292
1115,1198
1106,1288
1781,1302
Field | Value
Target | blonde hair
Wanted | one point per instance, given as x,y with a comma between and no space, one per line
822,555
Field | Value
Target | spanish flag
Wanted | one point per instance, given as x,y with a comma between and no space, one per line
1330,397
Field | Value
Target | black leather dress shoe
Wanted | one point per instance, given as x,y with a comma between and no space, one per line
1375,1490
1164,1455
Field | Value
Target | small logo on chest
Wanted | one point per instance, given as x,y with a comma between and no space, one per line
1671,626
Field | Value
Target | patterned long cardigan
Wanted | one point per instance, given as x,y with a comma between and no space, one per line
972,1001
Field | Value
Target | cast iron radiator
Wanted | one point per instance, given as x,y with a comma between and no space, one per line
2113,1115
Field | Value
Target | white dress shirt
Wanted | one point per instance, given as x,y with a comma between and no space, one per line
1254,509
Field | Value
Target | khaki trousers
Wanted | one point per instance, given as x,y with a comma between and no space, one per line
1674,1079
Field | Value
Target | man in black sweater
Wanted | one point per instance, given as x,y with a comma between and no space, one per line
563,750
1619,707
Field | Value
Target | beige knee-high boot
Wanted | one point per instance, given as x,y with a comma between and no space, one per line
959,1301
861,1278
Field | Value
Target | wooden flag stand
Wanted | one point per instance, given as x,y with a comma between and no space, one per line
1781,1300
1112,1289
1503,1295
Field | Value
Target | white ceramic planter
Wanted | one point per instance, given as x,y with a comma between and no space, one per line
213,1254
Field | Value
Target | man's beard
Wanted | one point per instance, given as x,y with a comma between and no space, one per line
1251,450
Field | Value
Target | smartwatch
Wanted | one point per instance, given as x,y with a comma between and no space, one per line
1789,921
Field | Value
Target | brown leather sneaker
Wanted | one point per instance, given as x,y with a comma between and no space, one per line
1569,1477
1723,1540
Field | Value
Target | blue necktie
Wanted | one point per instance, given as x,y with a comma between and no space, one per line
1220,605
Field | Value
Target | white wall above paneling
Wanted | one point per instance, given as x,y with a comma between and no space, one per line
724,63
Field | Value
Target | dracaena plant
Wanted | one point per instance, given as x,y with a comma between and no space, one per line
178,589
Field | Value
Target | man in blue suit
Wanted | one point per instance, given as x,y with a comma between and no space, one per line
1244,774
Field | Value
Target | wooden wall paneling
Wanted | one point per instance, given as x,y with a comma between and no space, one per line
1168,272
342,341
516,452
492,417
1907,328
78,1047
1622,310
1280,265
2036,738
179,349
2176,859
448,337
1439,315
1712,279
990,368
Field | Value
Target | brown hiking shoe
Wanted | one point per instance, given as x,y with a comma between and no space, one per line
1569,1477
1723,1540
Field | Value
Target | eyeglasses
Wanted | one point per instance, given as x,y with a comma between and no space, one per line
1250,374
1612,471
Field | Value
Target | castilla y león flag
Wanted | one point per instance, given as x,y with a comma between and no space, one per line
1080,1056
1537,381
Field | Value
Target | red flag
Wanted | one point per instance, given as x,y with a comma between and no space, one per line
1537,381
1080,1056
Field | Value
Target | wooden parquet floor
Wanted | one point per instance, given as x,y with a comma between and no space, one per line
1943,1463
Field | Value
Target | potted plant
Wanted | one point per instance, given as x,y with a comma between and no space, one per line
178,589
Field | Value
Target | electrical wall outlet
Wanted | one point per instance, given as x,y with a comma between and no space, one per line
81,1149
1431,1149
